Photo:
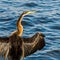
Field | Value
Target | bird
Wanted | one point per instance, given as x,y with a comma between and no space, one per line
16,47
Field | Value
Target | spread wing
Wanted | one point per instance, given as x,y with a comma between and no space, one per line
33,44
30,45
4,47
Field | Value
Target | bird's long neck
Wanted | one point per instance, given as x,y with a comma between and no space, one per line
20,19
19,25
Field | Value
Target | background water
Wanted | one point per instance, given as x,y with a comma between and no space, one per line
45,20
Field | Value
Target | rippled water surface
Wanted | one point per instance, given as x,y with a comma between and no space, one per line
45,20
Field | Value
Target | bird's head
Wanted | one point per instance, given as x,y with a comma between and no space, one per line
28,12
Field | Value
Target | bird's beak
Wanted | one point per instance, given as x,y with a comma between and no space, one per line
31,12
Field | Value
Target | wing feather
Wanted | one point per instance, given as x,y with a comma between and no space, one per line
37,42
4,47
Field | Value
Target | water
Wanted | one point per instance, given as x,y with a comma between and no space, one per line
45,20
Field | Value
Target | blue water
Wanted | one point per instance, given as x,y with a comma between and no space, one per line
45,20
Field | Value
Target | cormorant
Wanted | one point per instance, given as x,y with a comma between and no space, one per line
15,47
